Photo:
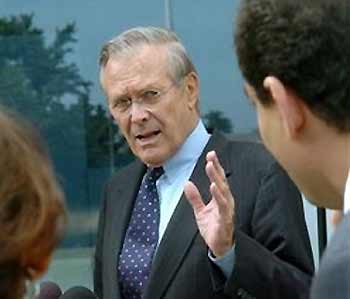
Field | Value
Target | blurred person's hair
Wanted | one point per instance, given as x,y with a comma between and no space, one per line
32,212
303,43
133,39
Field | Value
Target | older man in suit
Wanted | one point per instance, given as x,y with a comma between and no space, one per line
239,233
295,58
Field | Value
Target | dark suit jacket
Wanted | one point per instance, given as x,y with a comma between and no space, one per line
333,277
273,257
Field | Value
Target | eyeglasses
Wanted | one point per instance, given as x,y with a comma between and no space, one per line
148,98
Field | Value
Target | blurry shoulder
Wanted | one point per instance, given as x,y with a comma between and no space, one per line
340,241
332,279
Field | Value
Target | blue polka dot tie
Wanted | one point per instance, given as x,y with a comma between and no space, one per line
141,238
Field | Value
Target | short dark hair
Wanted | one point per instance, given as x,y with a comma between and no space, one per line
306,44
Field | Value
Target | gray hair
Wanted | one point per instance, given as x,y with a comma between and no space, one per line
133,39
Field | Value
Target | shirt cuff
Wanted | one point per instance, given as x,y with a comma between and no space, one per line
226,262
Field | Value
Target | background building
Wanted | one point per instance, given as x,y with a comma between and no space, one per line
49,72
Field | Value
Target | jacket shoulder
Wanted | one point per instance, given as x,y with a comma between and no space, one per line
250,154
126,173
332,279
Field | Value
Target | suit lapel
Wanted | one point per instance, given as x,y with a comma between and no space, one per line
182,227
123,201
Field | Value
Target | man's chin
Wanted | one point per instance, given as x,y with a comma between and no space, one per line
153,160
326,202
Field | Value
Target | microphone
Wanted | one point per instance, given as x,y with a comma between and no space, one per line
78,293
49,290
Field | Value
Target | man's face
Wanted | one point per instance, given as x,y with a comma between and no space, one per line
295,154
153,129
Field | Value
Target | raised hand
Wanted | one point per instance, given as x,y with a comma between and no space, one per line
216,219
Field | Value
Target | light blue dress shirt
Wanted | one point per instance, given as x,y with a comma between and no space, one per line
177,171
170,186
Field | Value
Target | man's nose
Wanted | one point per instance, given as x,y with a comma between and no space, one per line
138,112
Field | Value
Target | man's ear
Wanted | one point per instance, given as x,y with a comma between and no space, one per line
289,106
192,89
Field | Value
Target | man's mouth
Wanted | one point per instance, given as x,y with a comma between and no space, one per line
147,135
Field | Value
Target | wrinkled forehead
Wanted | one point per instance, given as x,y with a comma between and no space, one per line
137,69
143,63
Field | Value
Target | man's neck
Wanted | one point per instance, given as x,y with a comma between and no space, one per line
336,162
326,154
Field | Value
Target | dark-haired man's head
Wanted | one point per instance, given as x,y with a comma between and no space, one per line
294,56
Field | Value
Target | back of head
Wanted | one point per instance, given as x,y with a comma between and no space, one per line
305,44
31,206
132,40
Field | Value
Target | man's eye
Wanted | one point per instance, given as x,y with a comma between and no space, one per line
150,94
122,103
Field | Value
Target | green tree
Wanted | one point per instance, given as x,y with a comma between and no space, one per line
35,73
38,81
215,119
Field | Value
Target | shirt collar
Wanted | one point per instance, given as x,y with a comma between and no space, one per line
189,151
347,195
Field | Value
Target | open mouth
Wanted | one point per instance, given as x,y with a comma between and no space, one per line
147,135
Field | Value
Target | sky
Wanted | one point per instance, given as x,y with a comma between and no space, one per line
204,26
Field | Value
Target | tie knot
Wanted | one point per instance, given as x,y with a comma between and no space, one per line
154,174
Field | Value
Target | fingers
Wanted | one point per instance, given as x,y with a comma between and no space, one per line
217,176
194,197
219,188
212,157
222,201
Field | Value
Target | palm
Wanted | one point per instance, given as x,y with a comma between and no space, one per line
210,224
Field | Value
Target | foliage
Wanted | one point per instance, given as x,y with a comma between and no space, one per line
38,82
216,120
